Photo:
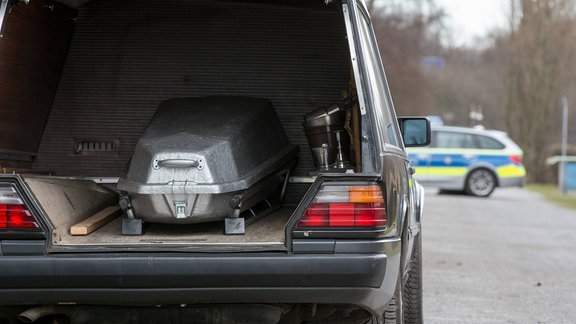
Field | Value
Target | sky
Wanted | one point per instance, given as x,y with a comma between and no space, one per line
469,19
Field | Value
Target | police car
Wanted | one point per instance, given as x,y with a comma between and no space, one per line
473,160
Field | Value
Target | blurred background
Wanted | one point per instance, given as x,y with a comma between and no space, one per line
504,64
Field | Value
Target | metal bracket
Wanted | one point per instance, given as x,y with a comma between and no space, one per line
180,209
126,205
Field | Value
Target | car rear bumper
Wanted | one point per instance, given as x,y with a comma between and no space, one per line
512,182
367,280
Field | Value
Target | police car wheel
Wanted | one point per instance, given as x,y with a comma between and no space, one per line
480,183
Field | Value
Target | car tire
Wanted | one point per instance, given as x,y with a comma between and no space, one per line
480,183
412,296
408,292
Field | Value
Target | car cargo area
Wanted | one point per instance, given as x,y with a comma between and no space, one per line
85,214
88,93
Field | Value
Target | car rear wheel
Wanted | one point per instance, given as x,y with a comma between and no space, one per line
406,305
412,296
480,183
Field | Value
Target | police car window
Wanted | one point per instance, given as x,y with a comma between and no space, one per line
453,140
488,143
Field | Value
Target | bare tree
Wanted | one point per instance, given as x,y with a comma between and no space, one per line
540,46
517,82
403,31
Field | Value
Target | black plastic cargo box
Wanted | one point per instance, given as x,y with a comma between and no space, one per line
199,155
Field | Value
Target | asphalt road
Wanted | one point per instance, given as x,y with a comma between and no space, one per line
510,258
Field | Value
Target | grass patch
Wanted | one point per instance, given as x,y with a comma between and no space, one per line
552,193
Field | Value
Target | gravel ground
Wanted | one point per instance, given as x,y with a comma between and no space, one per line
510,258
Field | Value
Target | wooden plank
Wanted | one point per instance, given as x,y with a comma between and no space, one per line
96,221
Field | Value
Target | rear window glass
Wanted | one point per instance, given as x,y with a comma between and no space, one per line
488,143
452,140
464,141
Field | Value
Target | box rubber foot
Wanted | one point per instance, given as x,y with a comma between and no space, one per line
234,226
131,226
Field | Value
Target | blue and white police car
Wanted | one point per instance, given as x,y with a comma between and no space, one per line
472,160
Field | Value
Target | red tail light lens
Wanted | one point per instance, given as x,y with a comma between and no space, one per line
346,206
13,212
516,159
16,216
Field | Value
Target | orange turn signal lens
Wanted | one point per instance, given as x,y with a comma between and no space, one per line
366,194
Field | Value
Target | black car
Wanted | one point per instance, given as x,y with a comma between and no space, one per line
203,161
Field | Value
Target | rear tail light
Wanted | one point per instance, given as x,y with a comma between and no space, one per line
516,159
14,215
346,206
